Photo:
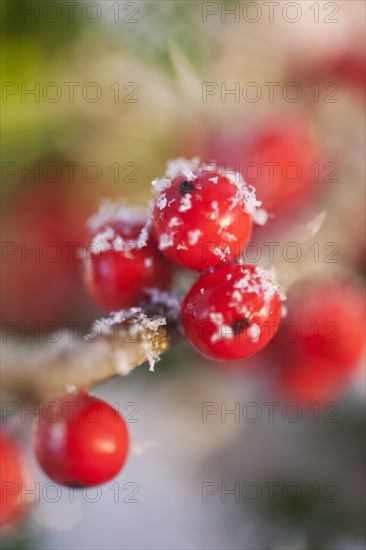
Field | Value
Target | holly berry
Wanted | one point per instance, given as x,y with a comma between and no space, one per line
41,236
202,218
279,159
322,341
345,67
80,440
123,263
13,477
232,312
312,379
326,320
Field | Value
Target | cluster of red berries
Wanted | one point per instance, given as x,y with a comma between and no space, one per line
79,441
201,219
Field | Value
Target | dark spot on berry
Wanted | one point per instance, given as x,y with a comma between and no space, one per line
186,187
239,325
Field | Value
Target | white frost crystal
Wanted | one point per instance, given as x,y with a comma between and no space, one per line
109,213
186,167
139,324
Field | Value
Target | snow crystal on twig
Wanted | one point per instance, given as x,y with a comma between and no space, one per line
140,324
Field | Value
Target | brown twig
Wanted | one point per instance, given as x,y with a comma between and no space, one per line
118,345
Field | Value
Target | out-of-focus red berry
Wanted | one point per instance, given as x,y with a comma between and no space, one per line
321,342
346,68
43,229
280,159
84,443
312,379
327,321
14,475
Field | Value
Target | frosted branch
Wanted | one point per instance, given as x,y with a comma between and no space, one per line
116,346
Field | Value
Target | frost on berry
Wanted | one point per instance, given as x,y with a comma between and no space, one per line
263,283
160,184
203,214
122,260
185,203
245,196
103,225
260,216
222,330
114,211
254,332
193,236
161,201
165,241
232,311
182,166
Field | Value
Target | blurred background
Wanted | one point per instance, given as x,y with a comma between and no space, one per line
96,97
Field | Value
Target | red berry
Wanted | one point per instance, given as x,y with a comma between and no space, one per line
13,480
326,320
123,263
42,233
232,312
80,440
312,379
340,67
201,218
279,159
286,158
